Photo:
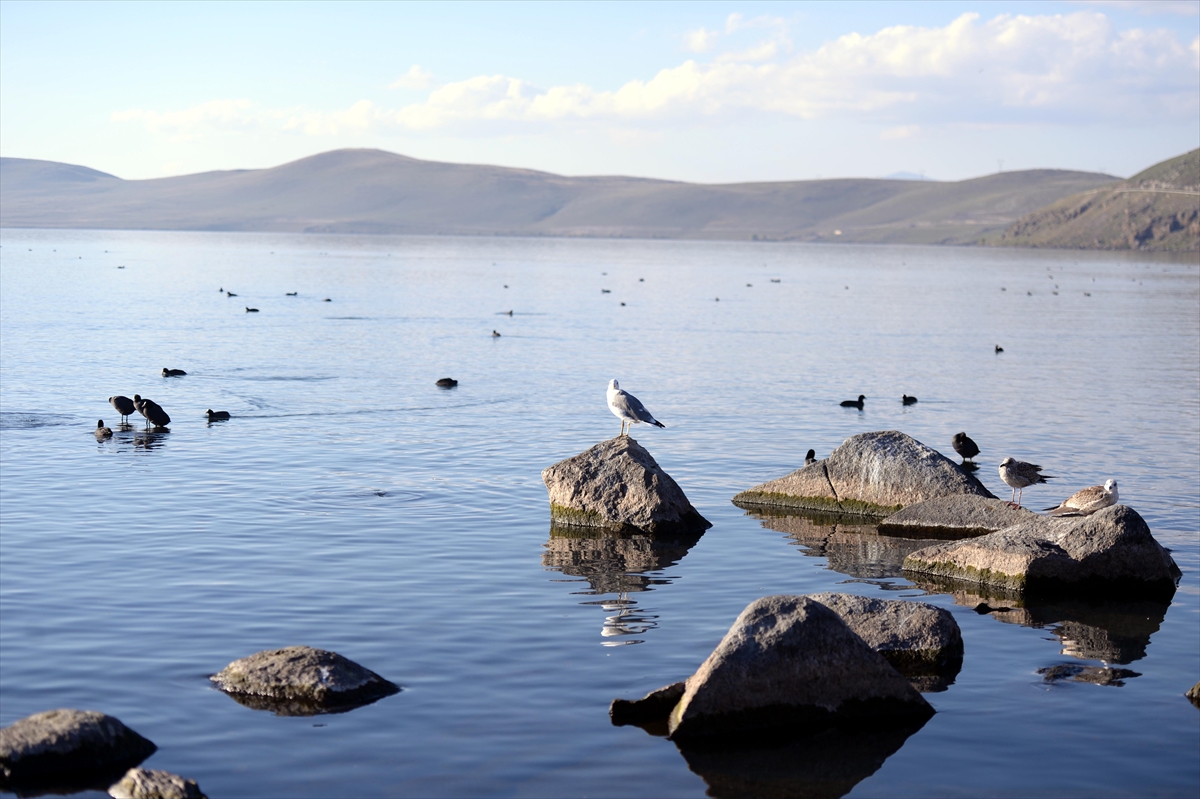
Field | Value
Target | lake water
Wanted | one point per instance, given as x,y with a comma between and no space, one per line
351,505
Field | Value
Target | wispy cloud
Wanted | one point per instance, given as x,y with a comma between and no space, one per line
415,78
1050,68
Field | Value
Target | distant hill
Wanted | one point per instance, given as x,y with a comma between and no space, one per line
1158,209
372,191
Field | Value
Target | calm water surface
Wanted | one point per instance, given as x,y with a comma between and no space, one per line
349,504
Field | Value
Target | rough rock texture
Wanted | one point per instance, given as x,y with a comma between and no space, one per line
921,641
790,663
617,485
1112,551
1096,675
300,680
68,747
873,474
954,517
653,708
140,783
1193,694
612,563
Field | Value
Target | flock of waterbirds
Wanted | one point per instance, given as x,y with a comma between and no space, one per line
153,412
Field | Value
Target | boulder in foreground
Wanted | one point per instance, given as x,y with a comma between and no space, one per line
301,681
872,474
920,641
141,783
957,516
1110,552
68,749
616,485
790,664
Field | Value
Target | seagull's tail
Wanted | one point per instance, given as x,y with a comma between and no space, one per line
657,423
1063,510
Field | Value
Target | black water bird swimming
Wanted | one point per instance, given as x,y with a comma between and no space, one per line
291,294
447,382
101,430
907,400
173,372
999,349
123,405
217,416
858,403
230,294
251,310
964,446
495,334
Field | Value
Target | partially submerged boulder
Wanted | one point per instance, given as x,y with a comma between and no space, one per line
1112,551
141,783
1193,694
301,681
617,485
921,641
651,710
958,516
872,474
68,749
790,664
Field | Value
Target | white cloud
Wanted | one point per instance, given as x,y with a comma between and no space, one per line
212,116
415,78
701,40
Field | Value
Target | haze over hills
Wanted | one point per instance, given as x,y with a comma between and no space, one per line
1156,209
373,191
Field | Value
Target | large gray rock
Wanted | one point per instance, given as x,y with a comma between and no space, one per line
1112,551
301,681
616,485
790,663
957,516
921,641
872,474
68,748
140,783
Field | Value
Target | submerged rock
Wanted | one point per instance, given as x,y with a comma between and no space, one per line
1096,675
68,750
873,474
790,664
955,516
140,783
1112,551
616,485
301,681
921,641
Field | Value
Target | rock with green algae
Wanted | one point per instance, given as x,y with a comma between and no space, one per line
618,486
872,474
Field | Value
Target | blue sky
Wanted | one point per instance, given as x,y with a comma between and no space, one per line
709,92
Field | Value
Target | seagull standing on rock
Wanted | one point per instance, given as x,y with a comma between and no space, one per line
628,408
1019,475
1087,501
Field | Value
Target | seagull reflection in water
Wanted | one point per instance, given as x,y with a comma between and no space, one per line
629,620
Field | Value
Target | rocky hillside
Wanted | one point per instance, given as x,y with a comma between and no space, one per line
1158,209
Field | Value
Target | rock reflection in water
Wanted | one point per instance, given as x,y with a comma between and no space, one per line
1111,631
852,544
826,765
296,706
620,564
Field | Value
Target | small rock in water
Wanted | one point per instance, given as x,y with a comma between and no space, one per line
301,681
69,750
787,663
1193,694
141,783
617,485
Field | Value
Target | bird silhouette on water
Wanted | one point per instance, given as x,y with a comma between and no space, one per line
101,430
1020,475
965,447
447,382
858,403
628,408
153,412
173,372
907,400
123,406
999,349
495,334
251,310
217,416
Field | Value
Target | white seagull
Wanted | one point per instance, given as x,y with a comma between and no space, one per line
628,408
1087,501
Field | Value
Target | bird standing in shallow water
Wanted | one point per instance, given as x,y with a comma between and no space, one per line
1087,501
1020,475
101,430
123,405
858,403
964,446
152,411
628,408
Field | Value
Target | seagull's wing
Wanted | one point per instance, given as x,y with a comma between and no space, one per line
633,408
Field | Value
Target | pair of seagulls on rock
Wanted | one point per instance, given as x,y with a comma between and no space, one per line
1020,475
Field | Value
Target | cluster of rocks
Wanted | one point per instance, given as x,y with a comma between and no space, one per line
63,751
799,664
